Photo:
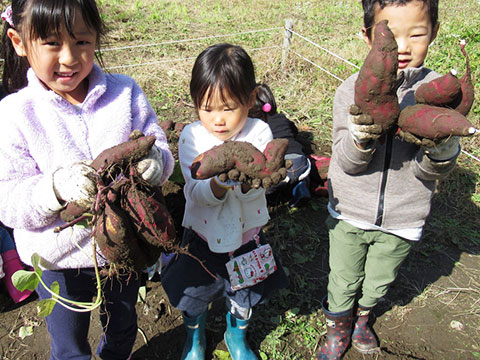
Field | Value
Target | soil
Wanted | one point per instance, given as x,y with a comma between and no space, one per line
430,312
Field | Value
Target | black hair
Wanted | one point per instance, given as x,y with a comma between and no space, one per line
225,67
369,11
264,95
38,19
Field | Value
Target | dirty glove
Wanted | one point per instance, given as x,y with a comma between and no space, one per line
76,183
361,126
150,168
444,150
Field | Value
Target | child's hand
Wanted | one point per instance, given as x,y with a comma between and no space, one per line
151,167
76,183
361,126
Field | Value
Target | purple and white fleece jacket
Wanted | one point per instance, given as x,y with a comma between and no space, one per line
41,132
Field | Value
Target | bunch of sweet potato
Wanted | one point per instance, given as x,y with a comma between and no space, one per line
441,109
131,223
241,161
442,104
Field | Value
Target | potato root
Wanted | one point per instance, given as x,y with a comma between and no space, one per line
375,87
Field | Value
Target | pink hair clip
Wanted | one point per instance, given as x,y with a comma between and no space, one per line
266,107
7,15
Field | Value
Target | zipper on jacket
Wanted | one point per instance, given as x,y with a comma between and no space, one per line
386,166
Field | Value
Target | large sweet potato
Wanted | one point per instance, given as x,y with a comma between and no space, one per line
151,219
434,122
116,239
242,156
117,157
375,87
441,91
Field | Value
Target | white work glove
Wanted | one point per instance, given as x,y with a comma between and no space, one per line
157,268
227,184
150,168
76,183
2,274
444,150
362,128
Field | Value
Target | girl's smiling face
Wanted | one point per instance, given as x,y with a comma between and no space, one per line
60,61
413,31
223,118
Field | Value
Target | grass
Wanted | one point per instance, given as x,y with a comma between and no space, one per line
305,93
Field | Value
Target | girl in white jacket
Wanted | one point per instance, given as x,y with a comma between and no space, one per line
222,219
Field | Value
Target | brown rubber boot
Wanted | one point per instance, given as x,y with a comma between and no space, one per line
339,329
363,338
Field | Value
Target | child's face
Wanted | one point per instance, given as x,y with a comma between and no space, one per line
61,62
222,119
411,26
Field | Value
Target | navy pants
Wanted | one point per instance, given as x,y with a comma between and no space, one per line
69,329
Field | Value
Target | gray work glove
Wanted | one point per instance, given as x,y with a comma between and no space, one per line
444,150
361,126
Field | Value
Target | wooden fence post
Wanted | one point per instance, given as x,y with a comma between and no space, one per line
287,39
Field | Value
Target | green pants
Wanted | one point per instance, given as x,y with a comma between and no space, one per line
361,260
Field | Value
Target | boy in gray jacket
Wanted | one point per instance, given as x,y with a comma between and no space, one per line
380,187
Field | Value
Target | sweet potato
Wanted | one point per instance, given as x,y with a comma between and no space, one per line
116,239
375,87
468,94
150,218
242,156
441,91
123,154
434,122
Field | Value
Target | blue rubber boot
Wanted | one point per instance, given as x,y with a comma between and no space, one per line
300,194
235,339
194,348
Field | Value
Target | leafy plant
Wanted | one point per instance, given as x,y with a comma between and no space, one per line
29,280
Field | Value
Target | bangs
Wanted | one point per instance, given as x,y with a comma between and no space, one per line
50,17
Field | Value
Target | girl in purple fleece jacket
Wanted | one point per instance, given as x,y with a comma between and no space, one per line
62,111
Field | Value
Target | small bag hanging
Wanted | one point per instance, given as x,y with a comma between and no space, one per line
251,268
